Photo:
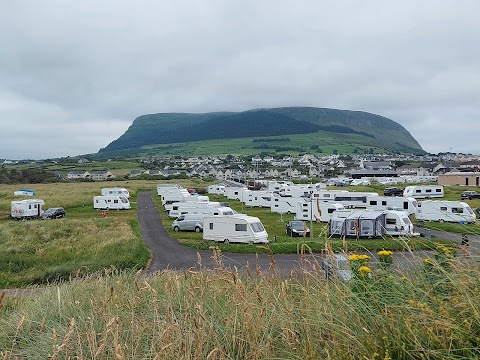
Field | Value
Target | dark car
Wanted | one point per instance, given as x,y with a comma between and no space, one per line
54,213
297,228
470,195
393,191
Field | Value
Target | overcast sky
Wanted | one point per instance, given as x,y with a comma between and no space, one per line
75,74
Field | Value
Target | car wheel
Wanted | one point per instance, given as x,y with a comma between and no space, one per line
176,229
197,229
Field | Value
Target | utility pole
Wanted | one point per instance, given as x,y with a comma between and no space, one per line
311,215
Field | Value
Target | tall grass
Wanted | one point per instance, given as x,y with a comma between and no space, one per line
245,314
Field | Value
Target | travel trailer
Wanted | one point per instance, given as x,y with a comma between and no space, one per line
162,188
238,228
349,199
300,190
235,193
26,209
423,191
258,198
212,210
442,210
116,191
283,205
24,192
320,210
217,189
408,204
370,223
276,186
183,207
110,202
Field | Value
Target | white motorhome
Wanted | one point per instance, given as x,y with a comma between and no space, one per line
443,210
423,191
319,210
108,202
258,198
408,204
283,205
116,191
237,228
371,223
26,209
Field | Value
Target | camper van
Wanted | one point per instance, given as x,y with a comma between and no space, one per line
237,228
370,223
408,204
442,210
26,209
116,191
108,202
423,191
320,210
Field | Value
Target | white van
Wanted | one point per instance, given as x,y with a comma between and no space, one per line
107,202
116,191
423,191
443,210
188,222
238,228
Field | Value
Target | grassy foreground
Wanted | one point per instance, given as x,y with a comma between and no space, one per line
225,314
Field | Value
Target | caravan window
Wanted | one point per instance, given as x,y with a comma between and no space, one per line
384,203
330,210
257,227
428,190
457,210
438,190
115,201
418,191
210,225
443,208
373,202
391,221
405,205
240,227
469,210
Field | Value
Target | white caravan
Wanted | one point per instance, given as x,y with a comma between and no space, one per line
184,207
235,193
327,195
283,205
26,209
301,190
217,189
237,228
276,186
116,191
319,210
257,198
423,191
162,188
442,210
352,199
408,204
108,202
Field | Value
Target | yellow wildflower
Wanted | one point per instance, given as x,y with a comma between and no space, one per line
385,253
364,269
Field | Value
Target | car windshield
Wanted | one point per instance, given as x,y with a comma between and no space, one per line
50,211
297,225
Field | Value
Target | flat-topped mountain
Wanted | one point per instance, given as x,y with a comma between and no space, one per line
353,128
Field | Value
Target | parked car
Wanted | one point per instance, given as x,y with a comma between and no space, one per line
53,213
297,228
188,222
393,191
337,266
470,195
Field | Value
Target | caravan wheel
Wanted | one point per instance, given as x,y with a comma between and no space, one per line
226,241
441,220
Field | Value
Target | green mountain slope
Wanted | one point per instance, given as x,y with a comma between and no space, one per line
176,128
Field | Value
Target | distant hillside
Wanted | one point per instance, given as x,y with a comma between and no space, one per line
177,128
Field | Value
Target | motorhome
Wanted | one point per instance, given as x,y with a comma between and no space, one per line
237,228
370,223
26,209
116,191
317,210
408,204
258,198
423,191
443,210
109,202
